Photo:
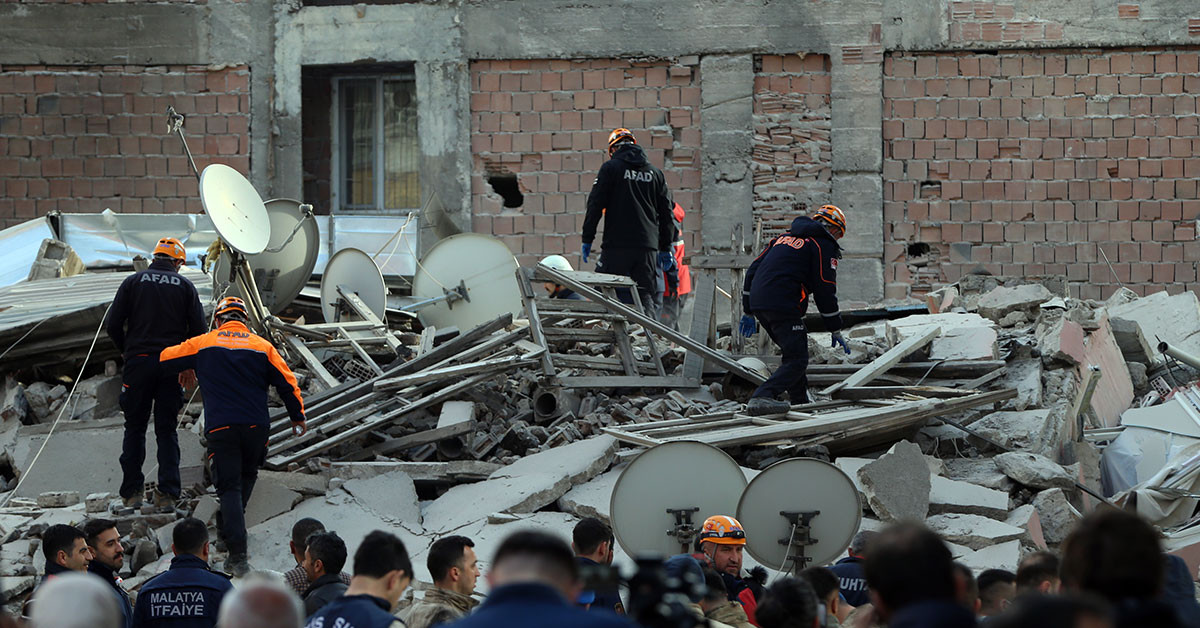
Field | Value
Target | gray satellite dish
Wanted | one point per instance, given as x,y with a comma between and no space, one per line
236,209
466,280
664,495
355,272
285,266
779,505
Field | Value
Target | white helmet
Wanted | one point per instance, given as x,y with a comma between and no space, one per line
557,262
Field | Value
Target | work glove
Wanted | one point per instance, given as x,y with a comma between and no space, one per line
587,250
747,326
839,340
665,260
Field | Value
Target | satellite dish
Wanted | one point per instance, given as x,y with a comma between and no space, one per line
356,272
481,268
282,270
800,486
664,495
236,209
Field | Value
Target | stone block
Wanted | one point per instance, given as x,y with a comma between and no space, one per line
897,484
956,496
1057,515
1034,470
57,499
973,531
97,502
999,302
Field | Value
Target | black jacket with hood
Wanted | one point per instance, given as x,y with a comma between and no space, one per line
633,198
797,264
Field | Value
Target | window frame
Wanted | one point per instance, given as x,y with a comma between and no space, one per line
336,204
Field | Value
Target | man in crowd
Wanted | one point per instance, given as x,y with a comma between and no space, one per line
324,556
789,602
382,571
188,594
153,309
910,572
74,600
594,546
966,588
721,542
454,568
997,588
849,570
533,579
236,368
632,197
296,577
717,607
830,610
65,549
108,556
261,602
1037,573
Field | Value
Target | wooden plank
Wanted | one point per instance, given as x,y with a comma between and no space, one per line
885,361
312,362
715,262
412,440
577,334
587,277
621,338
450,372
879,392
625,381
980,382
535,322
380,327
453,347
704,290
597,363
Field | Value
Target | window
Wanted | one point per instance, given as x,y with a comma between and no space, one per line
376,156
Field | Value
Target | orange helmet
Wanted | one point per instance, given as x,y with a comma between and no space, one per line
619,136
171,248
722,530
231,305
833,216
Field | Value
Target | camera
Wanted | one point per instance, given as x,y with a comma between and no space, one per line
656,599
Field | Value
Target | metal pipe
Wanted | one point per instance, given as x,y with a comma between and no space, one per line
1180,354
550,403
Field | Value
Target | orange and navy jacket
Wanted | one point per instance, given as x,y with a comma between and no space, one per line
797,264
235,367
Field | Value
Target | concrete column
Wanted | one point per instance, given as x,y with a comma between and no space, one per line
444,129
857,137
727,137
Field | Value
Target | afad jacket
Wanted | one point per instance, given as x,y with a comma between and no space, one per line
796,265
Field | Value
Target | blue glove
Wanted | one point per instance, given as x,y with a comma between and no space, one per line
587,250
839,340
747,326
665,260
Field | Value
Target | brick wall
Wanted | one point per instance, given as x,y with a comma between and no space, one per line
547,123
82,139
792,151
1030,162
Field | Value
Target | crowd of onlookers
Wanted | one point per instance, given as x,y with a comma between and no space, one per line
1110,573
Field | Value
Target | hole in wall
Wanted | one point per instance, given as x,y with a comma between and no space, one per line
505,184
918,249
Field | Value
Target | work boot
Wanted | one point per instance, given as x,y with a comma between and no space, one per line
133,501
237,565
759,406
163,501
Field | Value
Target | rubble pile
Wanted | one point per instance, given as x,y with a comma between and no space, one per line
989,417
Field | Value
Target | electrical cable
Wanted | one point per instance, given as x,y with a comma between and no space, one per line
23,337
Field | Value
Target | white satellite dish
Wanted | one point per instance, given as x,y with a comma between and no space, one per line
478,274
282,270
356,273
664,495
236,209
779,503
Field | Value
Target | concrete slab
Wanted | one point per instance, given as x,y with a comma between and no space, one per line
1026,376
206,509
578,462
1057,515
12,587
973,531
455,412
1174,319
897,484
591,499
303,483
269,499
1034,470
468,503
1014,430
955,496
84,458
1026,517
392,496
963,336
1006,556
1001,301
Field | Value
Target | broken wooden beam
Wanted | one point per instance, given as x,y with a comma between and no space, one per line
884,362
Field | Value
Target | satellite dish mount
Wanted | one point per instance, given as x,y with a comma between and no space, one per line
800,538
685,530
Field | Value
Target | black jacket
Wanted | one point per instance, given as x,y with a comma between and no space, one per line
108,575
324,590
933,614
633,198
851,581
359,611
154,309
797,264
185,596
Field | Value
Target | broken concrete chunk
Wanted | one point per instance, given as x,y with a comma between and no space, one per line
467,503
1002,301
1026,517
1006,556
1174,319
897,484
269,499
1013,430
455,412
1034,470
954,496
962,337
392,496
578,462
1061,342
1026,376
303,483
206,509
973,531
591,499
978,471
57,499
1057,515
97,502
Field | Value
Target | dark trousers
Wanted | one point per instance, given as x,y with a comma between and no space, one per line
638,265
147,386
236,452
787,330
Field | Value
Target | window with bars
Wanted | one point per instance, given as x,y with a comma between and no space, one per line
376,156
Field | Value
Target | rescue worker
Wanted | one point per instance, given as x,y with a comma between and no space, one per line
633,198
454,568
559,263
678,278
153,309
188,594
721,542
236,368
797,264
108,556
382,571
849,570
